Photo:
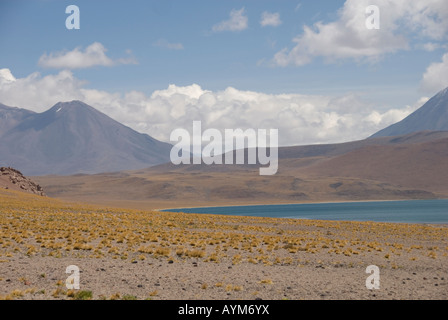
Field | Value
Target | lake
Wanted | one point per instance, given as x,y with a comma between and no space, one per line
406,211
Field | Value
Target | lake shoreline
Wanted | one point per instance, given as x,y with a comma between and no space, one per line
286,204
425,212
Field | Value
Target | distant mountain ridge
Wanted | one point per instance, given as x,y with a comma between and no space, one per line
413,166
432,116
71,138
11,116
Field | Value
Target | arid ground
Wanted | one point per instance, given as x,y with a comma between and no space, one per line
134,254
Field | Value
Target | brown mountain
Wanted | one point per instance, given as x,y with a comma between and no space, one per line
413,166
421,165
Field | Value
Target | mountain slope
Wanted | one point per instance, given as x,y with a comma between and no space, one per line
418,166
10,117
413,166
72,138
433,115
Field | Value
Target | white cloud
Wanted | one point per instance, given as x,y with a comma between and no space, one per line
430,46
163,43
270,19
37,93
348,37
237,22
435,77
6,77
301,119
93,55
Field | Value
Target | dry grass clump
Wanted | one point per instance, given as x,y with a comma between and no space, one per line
231,287
266,281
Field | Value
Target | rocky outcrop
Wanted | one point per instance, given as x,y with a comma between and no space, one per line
13,179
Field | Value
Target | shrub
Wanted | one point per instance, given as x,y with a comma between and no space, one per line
83,295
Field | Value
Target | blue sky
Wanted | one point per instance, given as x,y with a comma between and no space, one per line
149,45
214,60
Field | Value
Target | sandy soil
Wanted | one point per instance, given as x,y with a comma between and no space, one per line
160,255
410,273
159,279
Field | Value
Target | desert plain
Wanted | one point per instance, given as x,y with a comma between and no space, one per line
145,254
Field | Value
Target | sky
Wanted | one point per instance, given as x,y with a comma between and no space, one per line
314,70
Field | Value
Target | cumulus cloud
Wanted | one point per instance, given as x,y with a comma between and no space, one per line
300,119
435,77
163,43
238,21
270,19
37,93
6,76
348,37
93,55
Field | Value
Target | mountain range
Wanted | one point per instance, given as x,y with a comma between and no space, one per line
407,166
413,166
408,160
72,138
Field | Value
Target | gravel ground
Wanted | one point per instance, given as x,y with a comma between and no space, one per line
320,277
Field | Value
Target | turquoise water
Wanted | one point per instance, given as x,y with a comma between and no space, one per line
408,211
